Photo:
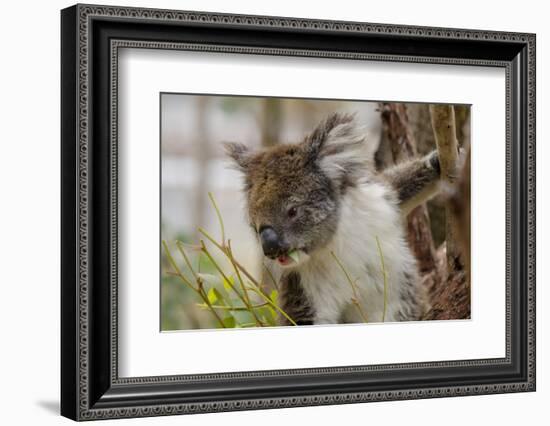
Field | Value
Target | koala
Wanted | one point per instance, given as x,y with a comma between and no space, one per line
323,200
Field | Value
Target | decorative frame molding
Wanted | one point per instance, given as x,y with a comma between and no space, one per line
91,37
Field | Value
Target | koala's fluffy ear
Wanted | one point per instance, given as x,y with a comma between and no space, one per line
339,146
239,153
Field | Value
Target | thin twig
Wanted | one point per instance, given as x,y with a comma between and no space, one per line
236,308
256,288
223,250
245,292
273,280
355,299
204,297
187,261
220,220
175,266
385,278
222,273
199,290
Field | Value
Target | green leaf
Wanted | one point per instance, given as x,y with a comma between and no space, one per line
210,278
246,325
242,317
226,296
266,315
294,255
274,296
229,322
220,296
273,320
212,296
226,284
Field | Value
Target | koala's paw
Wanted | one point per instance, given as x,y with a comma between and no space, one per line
433,161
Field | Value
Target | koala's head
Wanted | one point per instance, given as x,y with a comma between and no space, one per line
294,192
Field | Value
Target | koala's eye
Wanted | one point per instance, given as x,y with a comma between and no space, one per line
292,212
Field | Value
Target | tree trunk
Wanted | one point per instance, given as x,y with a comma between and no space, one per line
450,297
443,123
398,144
460,211
423,133
448,289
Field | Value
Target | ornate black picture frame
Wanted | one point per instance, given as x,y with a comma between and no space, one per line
90,385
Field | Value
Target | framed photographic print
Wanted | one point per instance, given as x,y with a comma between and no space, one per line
263,212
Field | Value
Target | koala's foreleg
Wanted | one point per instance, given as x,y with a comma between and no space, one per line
294,301
414,181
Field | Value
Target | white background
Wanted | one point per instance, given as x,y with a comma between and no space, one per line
146,352
29,225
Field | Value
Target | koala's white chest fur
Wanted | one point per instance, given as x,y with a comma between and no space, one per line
367,214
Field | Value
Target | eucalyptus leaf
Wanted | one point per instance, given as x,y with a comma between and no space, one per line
294,255
226,284
274,296
229,322
242,317
273,315
210,278
218,295
212,296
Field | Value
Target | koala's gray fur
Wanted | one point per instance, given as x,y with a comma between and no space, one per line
323,199
294,301
415,181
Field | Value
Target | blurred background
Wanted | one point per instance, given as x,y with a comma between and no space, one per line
193,128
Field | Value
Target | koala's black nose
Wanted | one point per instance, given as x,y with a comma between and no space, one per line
271,244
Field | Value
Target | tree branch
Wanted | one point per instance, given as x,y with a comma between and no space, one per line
444,127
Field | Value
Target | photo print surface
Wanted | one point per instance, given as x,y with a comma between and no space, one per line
304,212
